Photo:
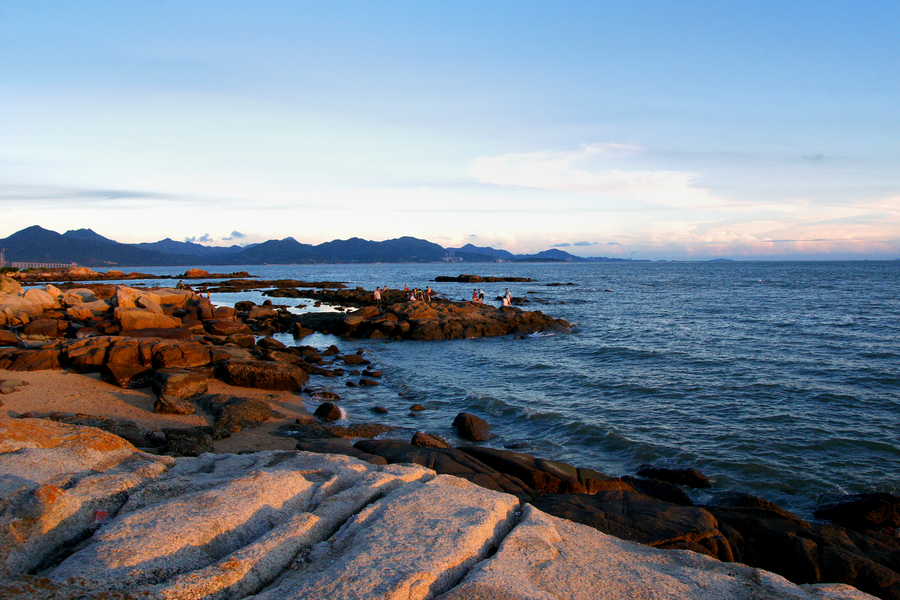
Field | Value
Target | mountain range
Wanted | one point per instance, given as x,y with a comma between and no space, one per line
88,248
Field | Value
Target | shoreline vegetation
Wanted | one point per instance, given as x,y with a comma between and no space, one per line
189,378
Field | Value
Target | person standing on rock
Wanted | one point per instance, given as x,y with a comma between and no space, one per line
428,293
508,298
481,296
378,298
475,296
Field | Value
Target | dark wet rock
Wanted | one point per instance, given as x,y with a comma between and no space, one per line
472,428
803,552
233,413
351,384
379,410
304,431
449,461
417,408
479,279
688,477
368,382
325,395
181,383
545,476
173,405
354,359
371,373
262,375
331,351
639,518
328,412
189,441
127,376
661,490
427,440
861,511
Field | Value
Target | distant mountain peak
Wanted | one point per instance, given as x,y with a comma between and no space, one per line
87,234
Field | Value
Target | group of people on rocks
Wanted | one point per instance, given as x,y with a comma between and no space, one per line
412,295
417,295
478,297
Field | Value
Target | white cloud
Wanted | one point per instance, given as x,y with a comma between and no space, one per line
583,171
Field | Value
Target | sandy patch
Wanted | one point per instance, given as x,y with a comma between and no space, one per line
69,393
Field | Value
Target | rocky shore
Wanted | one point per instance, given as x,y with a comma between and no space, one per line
166,514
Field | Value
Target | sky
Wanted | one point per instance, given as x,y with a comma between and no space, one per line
653,130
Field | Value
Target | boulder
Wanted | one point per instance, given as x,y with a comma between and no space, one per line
224,312
34,360
328,412
173,405
861,511
47,301
89,355
44,329
189,441
688,477
225,327
136,318
776,540
233,413
126,375
8,338
262,312
180,354
180,383
472,428
427,440
10,286
262,375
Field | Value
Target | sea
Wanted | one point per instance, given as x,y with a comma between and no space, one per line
780,379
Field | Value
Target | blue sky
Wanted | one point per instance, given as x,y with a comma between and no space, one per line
669,130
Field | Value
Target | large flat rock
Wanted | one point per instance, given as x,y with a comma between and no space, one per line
85,515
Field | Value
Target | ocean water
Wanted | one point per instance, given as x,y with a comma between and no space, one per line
781,379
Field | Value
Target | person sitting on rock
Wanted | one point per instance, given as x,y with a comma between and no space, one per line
180,285
475,296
